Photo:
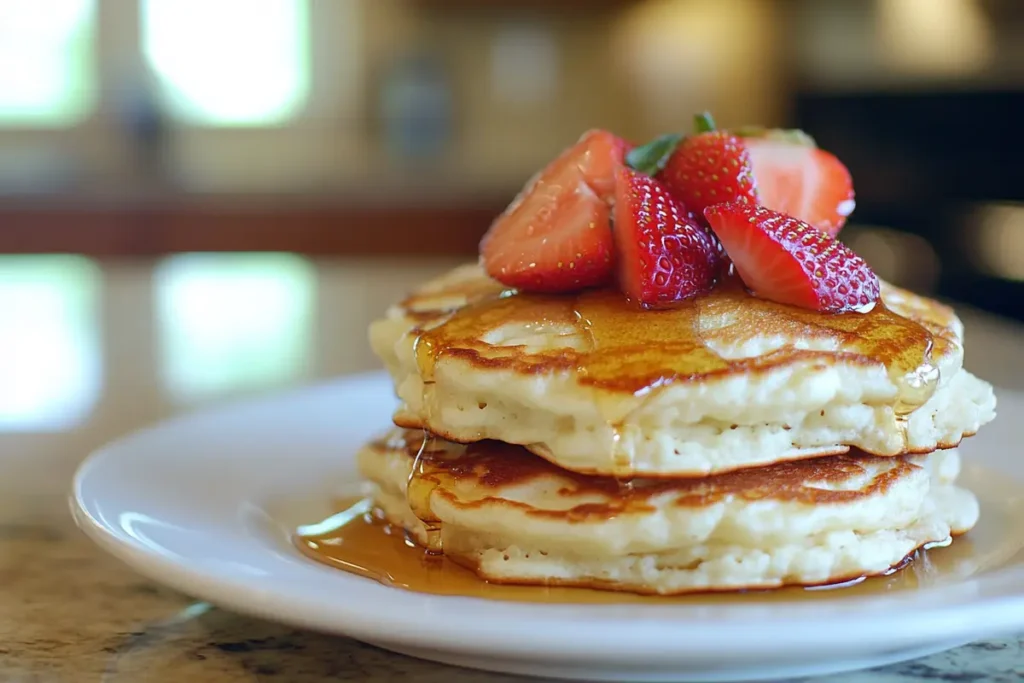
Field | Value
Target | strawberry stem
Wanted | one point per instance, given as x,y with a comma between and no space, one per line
651,158
703,123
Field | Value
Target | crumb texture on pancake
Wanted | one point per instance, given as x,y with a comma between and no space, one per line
784,388
512,517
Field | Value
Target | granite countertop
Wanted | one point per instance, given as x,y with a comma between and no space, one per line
69,612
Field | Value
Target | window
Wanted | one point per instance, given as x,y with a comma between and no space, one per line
50,357
228,62
46,62
232,322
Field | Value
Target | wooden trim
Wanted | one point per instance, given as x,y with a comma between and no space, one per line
244,224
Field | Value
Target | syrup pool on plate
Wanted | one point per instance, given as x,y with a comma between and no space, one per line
357,540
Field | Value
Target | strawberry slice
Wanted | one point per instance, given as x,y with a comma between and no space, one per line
797,178
663,255
787,260
598,155
555,236
708,168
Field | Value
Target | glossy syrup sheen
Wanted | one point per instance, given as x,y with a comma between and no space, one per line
423,479
358,541
613,345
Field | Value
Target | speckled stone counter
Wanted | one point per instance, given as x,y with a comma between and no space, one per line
69,612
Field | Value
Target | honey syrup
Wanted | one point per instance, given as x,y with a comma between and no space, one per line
422,482
359,541
629,350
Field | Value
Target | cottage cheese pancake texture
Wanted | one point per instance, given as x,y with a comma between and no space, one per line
722,382
512,517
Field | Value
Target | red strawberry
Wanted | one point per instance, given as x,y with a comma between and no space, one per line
556,235
710,168
795,177
663,255
787,260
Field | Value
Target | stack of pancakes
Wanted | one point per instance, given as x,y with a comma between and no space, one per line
729,443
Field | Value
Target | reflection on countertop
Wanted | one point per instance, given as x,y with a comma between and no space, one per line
89,351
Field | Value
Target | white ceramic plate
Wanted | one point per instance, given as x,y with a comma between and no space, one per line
204,504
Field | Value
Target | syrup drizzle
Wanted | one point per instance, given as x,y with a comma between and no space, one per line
915,387
423,481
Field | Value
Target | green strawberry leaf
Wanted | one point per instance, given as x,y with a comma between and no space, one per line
651,158
703,123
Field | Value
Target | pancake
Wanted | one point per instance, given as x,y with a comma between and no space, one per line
514,518
724,382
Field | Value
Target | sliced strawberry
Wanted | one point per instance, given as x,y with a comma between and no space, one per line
555,236
598,155
663,255
787,260
797,178
710,168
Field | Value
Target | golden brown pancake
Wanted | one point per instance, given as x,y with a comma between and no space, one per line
516,518
492,466
722,382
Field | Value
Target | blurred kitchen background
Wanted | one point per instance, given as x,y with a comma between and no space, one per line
202,198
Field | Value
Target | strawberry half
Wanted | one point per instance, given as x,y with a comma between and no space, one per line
787,260
708,168
555,236
797,178
663,255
